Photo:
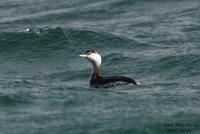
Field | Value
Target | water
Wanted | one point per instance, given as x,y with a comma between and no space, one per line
44,84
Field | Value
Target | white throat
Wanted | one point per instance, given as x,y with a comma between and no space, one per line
95,59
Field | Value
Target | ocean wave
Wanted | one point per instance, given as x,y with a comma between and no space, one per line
52,39
176,66
58,48
14,99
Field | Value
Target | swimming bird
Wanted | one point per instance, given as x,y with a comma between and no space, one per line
99,81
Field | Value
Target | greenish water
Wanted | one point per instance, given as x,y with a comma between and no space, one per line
44,84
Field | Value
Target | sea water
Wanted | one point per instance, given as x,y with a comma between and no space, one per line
44,83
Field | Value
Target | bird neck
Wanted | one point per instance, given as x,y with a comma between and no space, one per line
96,70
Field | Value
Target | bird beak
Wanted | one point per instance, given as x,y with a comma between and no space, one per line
83,55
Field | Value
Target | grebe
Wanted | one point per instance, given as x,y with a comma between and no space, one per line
96,80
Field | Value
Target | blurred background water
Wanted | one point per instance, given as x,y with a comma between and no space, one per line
44,84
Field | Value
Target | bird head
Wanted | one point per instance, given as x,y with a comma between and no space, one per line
92,56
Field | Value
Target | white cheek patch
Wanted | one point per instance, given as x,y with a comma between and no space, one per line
95,57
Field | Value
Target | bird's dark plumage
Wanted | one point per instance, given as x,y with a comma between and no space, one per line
110,81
